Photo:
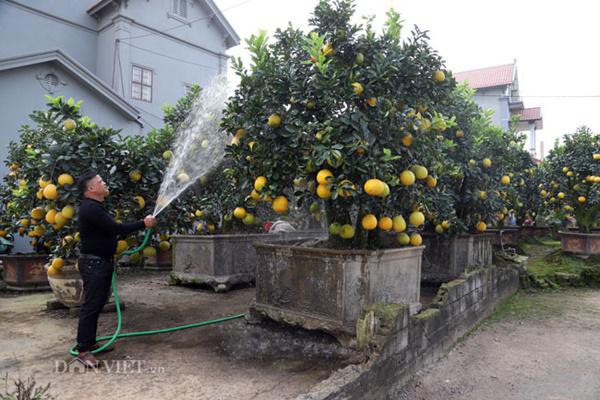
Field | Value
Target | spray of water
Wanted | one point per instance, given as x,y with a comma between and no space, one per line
199,143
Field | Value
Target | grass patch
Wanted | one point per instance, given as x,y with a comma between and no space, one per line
524,306
549,268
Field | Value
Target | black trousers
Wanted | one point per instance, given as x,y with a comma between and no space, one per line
97,278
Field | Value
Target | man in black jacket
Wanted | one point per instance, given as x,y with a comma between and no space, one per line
98,234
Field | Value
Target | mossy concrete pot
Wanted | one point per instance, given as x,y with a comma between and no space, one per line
587,244
67,285
445,259
220,261
25,272
327,289
529,231
505,236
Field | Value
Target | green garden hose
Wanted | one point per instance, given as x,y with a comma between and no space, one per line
112,338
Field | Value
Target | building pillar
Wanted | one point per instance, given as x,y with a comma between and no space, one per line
532,138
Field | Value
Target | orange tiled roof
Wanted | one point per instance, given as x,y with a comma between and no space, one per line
487,77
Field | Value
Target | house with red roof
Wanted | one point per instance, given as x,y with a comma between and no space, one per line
497,89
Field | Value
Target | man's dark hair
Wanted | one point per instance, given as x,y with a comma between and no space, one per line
84,179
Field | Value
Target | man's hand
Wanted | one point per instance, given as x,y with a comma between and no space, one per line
150,221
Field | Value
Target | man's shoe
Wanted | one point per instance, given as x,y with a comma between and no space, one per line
106,350
87,359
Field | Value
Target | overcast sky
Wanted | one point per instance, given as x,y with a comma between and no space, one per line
555,44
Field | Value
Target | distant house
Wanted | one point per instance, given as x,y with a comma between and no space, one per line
123,58
497,89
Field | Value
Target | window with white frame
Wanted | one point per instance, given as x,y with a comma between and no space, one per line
141,83
180,8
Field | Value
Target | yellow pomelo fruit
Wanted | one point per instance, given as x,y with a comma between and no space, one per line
50,192
486,163
416,218
398,223
248,219
274,121
239,212
372,101
431,181
135,176
419,171
374,187
407,140
38,213
53,271
385,223
386,190
403,238
357,88
560,195
324,191
369,222
68,211
199,213
149,251
58,263
164,246
182,177
581,199
167,154
280,204
259,183
347,231
416,239
24,222
254,195
407,178
40,194
140,200
65,179
50,216
122,245
69,124
439,76
324,177
211,228
505,180
60,219
445,224
439,228
481,226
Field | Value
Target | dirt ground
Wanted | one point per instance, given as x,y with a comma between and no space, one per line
228,361
543,346
536,346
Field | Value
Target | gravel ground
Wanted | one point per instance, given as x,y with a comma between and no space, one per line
537,347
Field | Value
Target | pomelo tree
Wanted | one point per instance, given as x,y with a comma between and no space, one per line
348,117
574,172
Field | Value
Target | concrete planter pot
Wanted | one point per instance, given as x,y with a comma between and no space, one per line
327,289
505,236
220,261
67,286
535,231
162,261
587,244
445,259
25,272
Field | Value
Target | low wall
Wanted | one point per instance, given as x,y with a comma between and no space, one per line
413,342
